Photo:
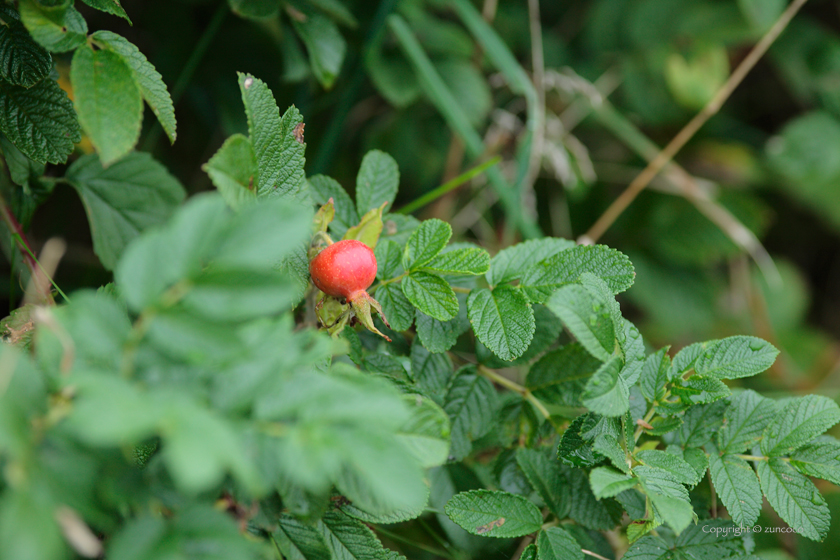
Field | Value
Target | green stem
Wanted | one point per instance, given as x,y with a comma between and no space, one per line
752,457
349,93
189,69
389,281
460,290
421,546
649,415
17,237
445,102
141,326
515,387
448,186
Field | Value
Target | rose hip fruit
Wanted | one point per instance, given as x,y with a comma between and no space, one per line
345,270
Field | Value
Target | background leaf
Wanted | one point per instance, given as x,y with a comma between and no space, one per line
107,100
494,514
121,201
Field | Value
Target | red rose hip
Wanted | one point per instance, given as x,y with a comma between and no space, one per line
344,269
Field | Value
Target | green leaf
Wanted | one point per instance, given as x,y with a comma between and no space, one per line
23,62
555,543
430,294
107,101
112,7
278,153
494,514
605,392
589,511
744,421
368,230
336,10
606,482
609,446
299,541
669,497
254,9
560,376
387,364
439,336
471,403
686,358
124,199
802,420
820,459
472,261
58,29
502,320
396,307
795,498
655,375
700,423
588,319
388,259
325,45
349,539
699,390
426,434
324,188
232,170
377,181
675,466
713,539
147,78
431,371
735,357
546,478
28,525
737,486
390,517
565,267
425,243
574,449
39,121
511,263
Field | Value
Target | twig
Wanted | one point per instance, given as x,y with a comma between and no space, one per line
448,186
515,387
683,136
538,65
594,554
19,236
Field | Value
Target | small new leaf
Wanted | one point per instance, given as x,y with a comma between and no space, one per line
377,181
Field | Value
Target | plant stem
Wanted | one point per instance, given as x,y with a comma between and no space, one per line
189,69
28,256
683,136
593,554
515,387
752,457
389,281
649,415
421,546
448,186
460,290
